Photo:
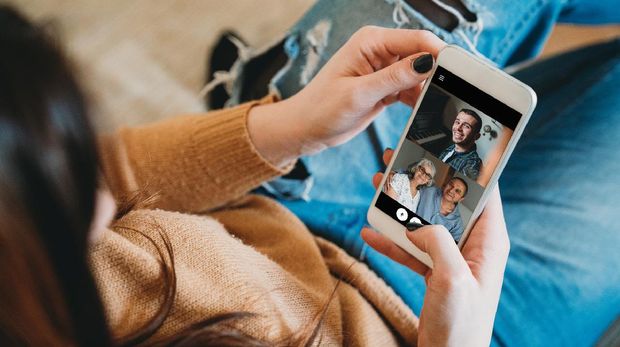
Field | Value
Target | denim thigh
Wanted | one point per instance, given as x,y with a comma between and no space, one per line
561,200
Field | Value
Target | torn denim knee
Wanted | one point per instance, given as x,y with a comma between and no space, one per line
318,38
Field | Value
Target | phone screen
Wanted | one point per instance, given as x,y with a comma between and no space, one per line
450,152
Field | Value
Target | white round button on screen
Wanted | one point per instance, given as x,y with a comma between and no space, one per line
402,214
415,220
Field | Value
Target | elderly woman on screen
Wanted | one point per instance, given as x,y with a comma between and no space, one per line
403,187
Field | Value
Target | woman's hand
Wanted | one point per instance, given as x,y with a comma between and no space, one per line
462,289
375,68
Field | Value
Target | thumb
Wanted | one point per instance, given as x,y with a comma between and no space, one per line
401,75
436,241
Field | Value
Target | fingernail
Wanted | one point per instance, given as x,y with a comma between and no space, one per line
423,63
411,226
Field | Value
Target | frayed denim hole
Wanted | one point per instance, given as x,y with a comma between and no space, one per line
434,13
318,38
464,8
292,50
412,19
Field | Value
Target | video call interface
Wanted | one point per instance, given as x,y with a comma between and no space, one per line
451,150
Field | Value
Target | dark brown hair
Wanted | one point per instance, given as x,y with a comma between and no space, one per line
48,180
474,114
48,175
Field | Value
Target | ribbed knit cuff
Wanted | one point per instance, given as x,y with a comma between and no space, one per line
223,145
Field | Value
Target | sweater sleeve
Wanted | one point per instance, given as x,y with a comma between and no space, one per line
189,163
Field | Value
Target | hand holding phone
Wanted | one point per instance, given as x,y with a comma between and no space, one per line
462,290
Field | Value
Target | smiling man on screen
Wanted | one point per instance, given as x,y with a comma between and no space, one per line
462,155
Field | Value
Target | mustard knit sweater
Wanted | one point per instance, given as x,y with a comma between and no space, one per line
233,251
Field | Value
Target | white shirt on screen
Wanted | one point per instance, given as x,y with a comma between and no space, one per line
447,156
400,184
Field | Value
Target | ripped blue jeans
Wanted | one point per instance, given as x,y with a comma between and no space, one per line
562,287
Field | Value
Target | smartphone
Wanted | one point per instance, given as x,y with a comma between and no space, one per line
463,129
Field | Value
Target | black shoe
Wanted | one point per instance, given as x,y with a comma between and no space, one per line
222,57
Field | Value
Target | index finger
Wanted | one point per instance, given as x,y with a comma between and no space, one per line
405,42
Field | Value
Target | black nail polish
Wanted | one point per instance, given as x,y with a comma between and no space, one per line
411,226
423,63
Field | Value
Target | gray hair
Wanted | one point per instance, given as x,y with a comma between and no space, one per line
422,162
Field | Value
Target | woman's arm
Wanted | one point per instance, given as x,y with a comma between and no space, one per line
197,163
